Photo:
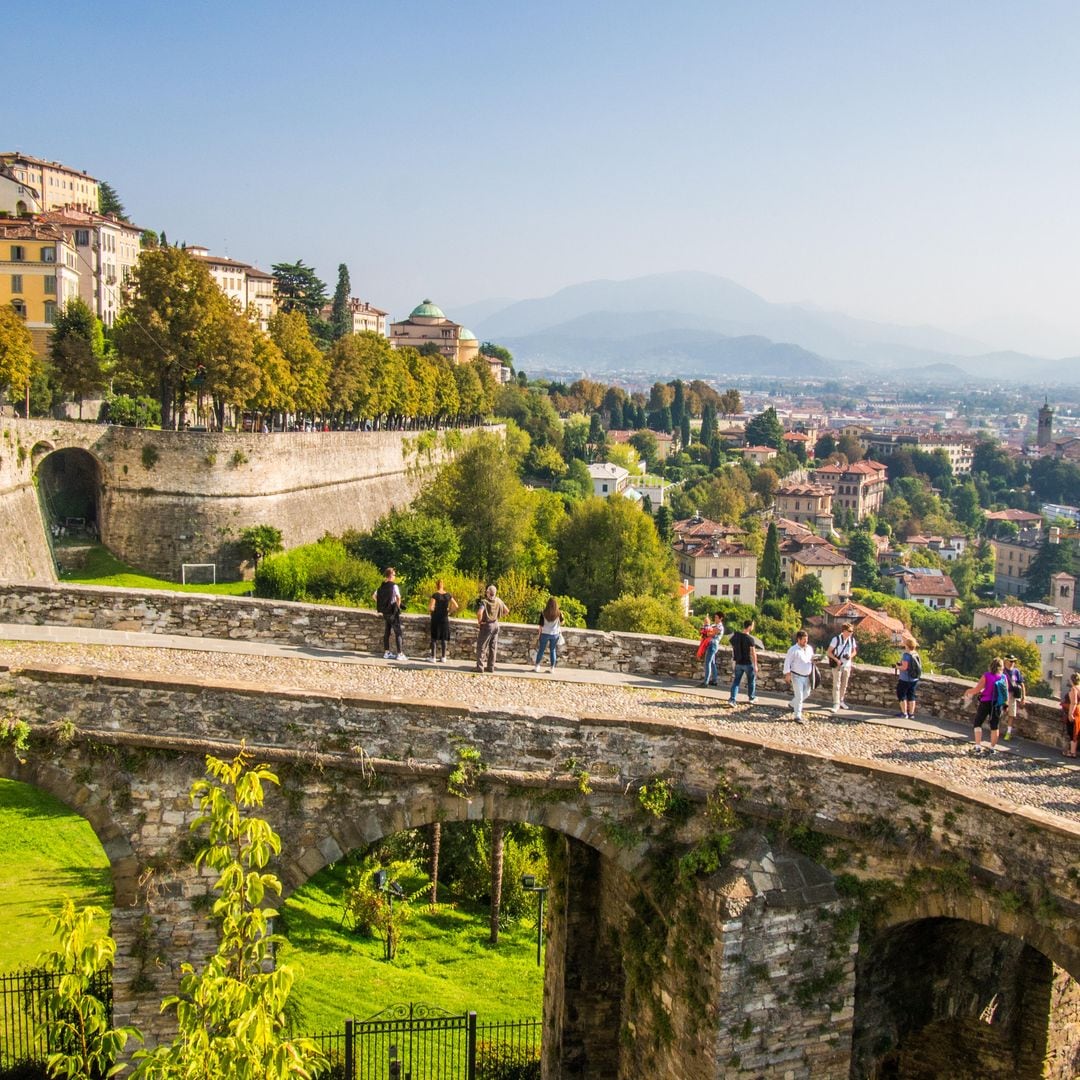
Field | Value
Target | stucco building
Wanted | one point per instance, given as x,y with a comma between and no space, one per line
250,287
39,274
716,567
55,185
427,324
858,488
608,479
807,504
1012,559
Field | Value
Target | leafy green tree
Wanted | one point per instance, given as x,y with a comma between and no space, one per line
77,351
645,615
608,547
825,446
258,541
807,596
230,1014
417,545
340,315
309,367
500,352
862,552
16,352
1052,559
771,576
109,201
644,442
730,402
959,650
74,1019
1026,653
577,484
876,648
299,288
765,429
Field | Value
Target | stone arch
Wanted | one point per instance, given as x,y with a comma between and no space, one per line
70,483
81,799
945,988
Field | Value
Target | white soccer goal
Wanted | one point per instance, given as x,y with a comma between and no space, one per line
198,573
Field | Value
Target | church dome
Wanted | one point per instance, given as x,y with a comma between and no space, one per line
426,310
466,335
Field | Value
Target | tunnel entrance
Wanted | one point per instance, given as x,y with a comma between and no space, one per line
946,997
69,488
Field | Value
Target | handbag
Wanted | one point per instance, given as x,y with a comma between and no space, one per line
560,641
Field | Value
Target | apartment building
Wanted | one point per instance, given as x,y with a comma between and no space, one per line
931,588
959,448
54,184
39,274
1012,559
716,567
858,488
807,504
363,317
608,479
107,249
17,199
425,324
250,287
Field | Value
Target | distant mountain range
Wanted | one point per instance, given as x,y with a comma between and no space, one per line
698,324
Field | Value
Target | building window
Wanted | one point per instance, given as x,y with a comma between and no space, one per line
82,237
48,254
713,572
18,253
20,308
50,312
738,572
603,487
725,590
736,590
49,282
727,572
712,590
16,283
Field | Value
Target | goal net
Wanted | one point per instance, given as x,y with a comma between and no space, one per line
198,573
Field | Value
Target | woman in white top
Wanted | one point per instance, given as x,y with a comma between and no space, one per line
550,627
798,667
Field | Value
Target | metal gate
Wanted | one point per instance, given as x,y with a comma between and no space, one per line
411,1042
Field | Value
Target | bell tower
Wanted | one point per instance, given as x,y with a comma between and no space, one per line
1046,426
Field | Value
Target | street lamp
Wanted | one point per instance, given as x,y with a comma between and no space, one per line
528,883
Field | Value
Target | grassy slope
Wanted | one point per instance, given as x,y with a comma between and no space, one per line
103,568
47,852
444,959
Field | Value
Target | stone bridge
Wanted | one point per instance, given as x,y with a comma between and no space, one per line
865,921
163,498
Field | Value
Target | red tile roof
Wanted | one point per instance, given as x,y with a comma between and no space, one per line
1031,617
929,585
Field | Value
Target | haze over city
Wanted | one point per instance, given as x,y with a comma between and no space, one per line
908,164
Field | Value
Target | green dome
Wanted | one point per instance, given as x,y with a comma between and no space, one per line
466,335
426,310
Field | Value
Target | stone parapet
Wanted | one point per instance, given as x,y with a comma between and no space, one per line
357,630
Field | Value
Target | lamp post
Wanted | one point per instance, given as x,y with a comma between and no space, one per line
528,883
392,889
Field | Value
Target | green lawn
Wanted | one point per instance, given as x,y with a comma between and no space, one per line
47,852
104,568
444,959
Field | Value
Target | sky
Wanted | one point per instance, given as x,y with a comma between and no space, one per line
914,162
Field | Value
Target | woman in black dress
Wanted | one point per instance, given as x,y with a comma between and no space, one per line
442,606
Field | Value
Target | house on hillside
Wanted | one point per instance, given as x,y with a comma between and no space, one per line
865,620
932,589
608,478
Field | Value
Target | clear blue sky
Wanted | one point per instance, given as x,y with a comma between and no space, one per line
914,161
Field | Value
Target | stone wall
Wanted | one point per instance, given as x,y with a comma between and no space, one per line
358,630
170,497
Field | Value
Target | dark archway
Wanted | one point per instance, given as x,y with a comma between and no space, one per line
69,482
948,997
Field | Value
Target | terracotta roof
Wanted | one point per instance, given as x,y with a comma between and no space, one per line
804,489
711,548
703,527
29,230
758,450
861,614
866,468
929,585
796,436
820,556
1012,515
1032,617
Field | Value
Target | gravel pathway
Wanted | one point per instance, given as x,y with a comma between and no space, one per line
1011,775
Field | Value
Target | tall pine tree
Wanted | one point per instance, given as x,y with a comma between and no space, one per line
771,572
340,316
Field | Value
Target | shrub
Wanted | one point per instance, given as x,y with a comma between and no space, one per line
321,572
523,853
645,615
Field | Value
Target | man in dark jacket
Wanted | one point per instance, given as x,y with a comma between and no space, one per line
387,599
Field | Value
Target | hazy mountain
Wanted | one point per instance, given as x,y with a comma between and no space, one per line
471,315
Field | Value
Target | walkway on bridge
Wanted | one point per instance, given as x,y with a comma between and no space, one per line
1019,772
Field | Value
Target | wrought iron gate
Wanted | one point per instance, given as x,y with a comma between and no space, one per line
411,1042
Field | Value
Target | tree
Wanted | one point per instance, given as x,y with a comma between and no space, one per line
608,547
765,429
109,201
807,596
1002,645
633,614
417,545
644,442
771,571
76,349
298,288
16,352
730,402
340,315
309,366
230,1014
1052,559
876,648
825,447
74,1017
863,553
258,541
489,348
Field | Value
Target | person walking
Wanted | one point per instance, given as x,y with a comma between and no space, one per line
744,658
798,672
992,690
1072,711
548,635
387,599
488,613
1017,692
441,606
841,656
908,674
710,642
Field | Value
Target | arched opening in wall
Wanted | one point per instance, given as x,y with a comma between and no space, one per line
47,852
946,997
69,487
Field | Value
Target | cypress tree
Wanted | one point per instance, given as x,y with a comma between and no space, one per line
770,561
340,317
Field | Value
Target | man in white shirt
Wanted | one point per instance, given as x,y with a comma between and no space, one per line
841,654
798,667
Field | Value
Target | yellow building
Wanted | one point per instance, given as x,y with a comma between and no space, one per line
426,323
56,185
39,274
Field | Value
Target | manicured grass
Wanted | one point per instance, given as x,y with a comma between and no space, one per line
47,852
104,568
444,959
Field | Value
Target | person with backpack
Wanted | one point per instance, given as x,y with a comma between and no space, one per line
841,656
908,674
1017,691
387,599
992,690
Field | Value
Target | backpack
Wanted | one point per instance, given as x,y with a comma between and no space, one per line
1001,692
384,598
914,667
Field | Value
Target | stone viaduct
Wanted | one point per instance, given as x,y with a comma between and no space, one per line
865,921
162,498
